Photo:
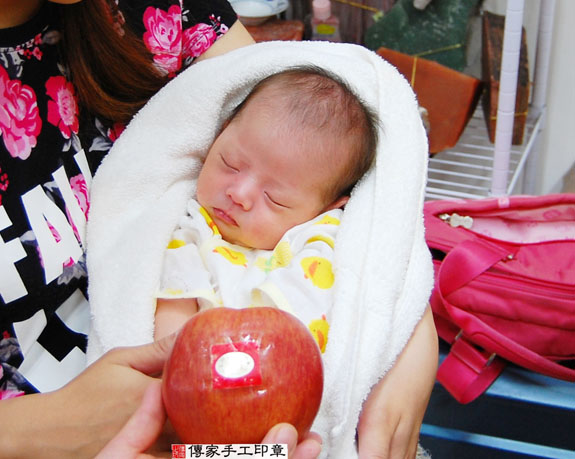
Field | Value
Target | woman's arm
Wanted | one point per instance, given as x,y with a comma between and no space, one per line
392,415
79,419
236,37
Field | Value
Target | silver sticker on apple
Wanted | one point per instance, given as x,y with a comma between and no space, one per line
234,365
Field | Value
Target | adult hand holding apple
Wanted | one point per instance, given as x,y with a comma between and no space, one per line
143,428
235,373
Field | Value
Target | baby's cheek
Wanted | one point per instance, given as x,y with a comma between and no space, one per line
262,235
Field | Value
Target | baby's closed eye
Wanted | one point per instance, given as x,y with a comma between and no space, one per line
275,201
228,164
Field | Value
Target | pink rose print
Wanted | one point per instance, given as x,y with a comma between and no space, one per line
4,182
63,108
20,121
54,232
80,189
69,262
221,29
31,49
6,394
163,36
115,131
37,53
198,39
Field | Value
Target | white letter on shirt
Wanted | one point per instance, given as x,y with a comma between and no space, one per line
41,210
11,285
72,205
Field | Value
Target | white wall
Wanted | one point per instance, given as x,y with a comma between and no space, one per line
556,150
558,141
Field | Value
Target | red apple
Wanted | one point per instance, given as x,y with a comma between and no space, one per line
235,373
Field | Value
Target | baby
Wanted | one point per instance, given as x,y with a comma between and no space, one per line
269,198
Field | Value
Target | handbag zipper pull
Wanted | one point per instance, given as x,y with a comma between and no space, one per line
456,220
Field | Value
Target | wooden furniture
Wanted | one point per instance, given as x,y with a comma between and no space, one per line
277,29
449,97
492,47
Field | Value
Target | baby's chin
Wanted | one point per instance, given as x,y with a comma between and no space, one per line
246,243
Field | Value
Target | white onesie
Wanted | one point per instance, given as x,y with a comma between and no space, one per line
296,276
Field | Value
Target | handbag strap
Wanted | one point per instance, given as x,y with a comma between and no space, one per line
467,371
466,261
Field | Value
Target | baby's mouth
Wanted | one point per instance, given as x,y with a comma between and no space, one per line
224,217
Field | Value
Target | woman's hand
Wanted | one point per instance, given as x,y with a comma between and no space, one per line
141,431
79,419
392,414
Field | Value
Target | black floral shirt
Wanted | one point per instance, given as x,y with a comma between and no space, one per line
49,150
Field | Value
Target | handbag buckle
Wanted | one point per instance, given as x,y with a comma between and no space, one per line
455,220
489,360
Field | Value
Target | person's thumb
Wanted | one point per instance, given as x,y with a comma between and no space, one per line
282,434
141,430
307,448
148,358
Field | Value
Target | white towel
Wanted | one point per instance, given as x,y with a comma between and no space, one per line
383,271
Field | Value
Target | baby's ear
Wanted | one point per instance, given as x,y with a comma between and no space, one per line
338,203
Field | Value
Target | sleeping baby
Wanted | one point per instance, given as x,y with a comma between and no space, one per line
269,142
268,204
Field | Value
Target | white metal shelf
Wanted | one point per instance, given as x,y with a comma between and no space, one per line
477,168
466,170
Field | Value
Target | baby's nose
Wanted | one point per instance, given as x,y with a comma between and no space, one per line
241,192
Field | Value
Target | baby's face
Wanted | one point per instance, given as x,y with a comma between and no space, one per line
259,180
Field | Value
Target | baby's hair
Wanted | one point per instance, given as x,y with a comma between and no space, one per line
322,101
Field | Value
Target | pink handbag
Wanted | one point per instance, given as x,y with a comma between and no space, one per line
504,287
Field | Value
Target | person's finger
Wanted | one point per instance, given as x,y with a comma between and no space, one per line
373,447
148,359
282,434
308,448
141,430
376,433
387,441
404,443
